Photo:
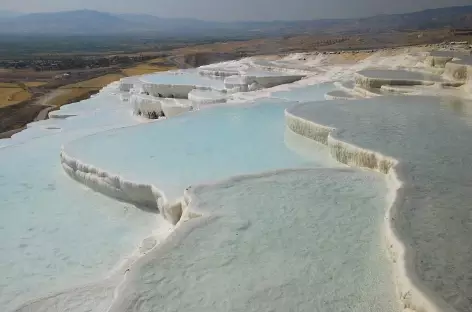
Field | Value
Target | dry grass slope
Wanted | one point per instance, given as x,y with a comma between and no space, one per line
11,94
95,83
82,90
149,67
33,84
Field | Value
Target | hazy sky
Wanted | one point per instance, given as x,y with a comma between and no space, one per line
236,9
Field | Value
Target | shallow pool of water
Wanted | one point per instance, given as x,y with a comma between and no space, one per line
190,77
305,93
201,146
430,136
298,240
57,234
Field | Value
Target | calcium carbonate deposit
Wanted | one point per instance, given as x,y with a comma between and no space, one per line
306,182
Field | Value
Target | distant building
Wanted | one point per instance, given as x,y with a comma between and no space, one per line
62,76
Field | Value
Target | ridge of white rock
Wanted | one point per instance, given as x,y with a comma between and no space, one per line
376,78
174,107
441,58
459,69
399,89
217,72
139,194
168,90
204,97
246,83
339,95
127,84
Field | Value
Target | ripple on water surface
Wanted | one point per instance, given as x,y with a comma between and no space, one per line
305,240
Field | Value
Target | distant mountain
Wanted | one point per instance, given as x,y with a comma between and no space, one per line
87,22
70,22
427,19
8,14
172,26
160,23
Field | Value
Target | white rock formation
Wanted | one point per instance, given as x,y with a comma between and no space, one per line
174,107
146,106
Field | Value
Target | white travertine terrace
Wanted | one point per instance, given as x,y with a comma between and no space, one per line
346,86
174,107
231,83
146,105
124,97
178,84
448,70
217,72
168,90
140,194
367,92
248,83
459,69
361,133
376,78
156,107
152,95
179,95
399,89
126,84
441,58
339,95
202,97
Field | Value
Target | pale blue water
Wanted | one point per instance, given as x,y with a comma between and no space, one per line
340,94
61,234
296,241
57,234
96,114
201,146
305,94
187,77
430,136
